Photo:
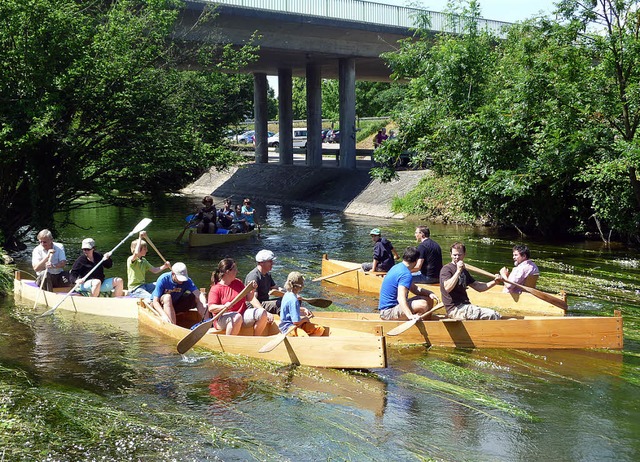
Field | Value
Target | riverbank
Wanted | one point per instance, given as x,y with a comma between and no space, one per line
331,188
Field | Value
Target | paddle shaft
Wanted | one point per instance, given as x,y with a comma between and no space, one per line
319,302
277,341
535,292
196,334
44,277
405,326
329,276
155,248
139,227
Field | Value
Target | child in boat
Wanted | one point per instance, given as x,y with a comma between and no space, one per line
225,286
137,266
290,308
206,217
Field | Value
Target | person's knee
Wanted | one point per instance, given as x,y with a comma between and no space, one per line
165,300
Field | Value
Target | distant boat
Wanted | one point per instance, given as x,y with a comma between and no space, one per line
202,239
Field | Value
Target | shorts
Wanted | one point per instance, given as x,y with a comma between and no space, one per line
105,287
395,313
469,311
184,303
143,290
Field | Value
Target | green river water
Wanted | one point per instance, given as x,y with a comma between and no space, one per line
76,388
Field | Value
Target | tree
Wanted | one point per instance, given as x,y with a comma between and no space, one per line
92,103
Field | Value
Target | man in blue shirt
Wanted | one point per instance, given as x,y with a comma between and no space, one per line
396,285
175,292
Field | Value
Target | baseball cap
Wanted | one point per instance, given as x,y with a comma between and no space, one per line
375,232
180,270
265,255
88,243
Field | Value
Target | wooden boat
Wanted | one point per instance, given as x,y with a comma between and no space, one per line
340,349
529,332
523,304
26,290
201,240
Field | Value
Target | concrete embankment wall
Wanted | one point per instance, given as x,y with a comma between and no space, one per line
351,191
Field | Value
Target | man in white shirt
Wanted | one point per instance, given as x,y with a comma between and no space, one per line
48,260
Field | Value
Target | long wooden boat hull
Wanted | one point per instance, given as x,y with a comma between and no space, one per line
201,240
523,304
544,332
26,290
340,349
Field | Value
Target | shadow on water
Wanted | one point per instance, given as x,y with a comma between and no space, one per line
75,388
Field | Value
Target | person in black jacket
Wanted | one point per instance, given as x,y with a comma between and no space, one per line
97,283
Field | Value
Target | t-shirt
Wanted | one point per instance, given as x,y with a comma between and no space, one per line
219,294
459,293
136,271
431,253
247,214
83,266
265,283
520,273
289,311
397,276
382,254
165,285
58,255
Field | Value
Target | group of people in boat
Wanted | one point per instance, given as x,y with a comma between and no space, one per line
228,219
401,298
175,292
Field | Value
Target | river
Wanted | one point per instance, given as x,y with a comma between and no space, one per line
78,388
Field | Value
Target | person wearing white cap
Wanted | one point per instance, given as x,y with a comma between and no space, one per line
85,263
175,292
261,274
384,255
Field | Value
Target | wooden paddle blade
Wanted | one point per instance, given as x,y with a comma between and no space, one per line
329,276
407,325
270,346
194,336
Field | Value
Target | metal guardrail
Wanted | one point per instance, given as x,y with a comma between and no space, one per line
366,12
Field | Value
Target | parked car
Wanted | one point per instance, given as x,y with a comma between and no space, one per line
253,137
299,138
246,137
324,134
333,136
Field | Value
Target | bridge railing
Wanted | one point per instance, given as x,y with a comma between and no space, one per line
367,12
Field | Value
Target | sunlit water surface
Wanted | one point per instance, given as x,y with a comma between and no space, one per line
441,404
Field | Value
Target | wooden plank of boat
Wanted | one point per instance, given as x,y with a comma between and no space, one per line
341,349
523,304
547,332
201,240
118,307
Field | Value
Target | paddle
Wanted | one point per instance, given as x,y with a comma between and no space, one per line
197,333
44,277
535,292
139,227
322,278
406,325
155,248
277,340
187,226
319,302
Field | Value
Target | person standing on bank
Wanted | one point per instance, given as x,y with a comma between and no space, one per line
394,293
525,273
384,255
48,260
430,261
454,280
85,263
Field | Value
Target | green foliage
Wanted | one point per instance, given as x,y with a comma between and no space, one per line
6,277
92,102
539,127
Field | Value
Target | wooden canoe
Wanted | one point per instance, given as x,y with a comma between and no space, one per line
523,304
341,349
201,240
26,290
529,332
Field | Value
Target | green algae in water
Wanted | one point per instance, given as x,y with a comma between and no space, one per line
467,394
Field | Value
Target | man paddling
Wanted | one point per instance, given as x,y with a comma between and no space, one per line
261,274
454,280
525,273
394,292
384,255
48,260
175,292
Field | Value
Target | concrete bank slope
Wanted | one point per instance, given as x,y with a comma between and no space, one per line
350,191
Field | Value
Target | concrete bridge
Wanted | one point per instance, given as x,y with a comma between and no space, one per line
314,39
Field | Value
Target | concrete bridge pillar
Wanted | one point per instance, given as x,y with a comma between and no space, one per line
314,115
285,109
347,90
260,115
